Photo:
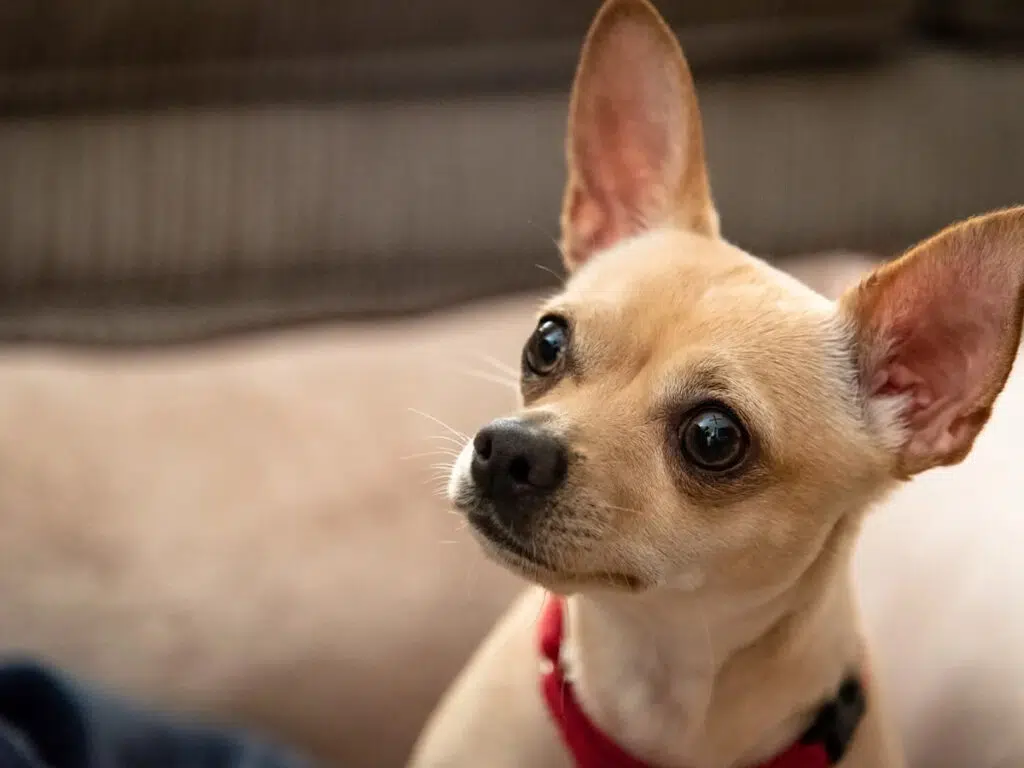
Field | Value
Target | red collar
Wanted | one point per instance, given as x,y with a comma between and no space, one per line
822,746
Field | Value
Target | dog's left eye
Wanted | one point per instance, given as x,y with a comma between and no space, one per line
713,439
546,346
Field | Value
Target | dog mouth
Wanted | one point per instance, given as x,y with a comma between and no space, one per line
513,552
498,537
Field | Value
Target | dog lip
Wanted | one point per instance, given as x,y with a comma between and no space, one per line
494,533
496,536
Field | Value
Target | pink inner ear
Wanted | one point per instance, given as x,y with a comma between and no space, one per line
631,152
940,357
629,134
593,224
628,163
941,327
623,184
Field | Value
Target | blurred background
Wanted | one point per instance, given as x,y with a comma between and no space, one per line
217,504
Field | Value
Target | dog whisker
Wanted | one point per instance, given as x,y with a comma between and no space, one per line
426,454
492,378
459,443
471,564
449,427
500,366
558,247
540,611
533,549
550,271
615,508
711,655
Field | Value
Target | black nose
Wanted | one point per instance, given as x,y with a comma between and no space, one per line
512,458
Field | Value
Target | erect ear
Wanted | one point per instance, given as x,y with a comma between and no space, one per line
635,148
938,330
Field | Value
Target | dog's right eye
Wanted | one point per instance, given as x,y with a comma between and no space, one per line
712,438
546,347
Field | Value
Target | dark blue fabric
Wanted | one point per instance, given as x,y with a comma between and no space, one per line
49,720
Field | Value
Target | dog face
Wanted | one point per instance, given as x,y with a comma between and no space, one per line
693,418
690,416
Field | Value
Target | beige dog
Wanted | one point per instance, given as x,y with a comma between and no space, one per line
700,440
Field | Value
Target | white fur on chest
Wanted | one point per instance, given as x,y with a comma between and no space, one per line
651,696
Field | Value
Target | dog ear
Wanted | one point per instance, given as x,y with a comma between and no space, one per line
937,332
635,148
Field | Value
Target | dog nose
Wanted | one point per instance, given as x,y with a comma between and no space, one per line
512,458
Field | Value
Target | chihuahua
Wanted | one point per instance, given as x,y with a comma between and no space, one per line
700,439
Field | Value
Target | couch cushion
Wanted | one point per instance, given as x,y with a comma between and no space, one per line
253,530
231,530
941,581
127,33
990,20
118,54
178,224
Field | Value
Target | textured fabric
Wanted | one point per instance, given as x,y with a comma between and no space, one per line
978,18
176,225
67,33
455,71
50,720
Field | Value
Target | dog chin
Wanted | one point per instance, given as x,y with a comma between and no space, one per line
493,535
515,562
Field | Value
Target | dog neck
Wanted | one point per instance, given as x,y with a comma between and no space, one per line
677,679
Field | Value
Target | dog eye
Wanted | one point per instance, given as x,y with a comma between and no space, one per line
712,438
546,346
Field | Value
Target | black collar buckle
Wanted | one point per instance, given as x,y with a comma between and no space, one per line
837,720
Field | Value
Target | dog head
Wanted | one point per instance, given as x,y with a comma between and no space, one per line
691,417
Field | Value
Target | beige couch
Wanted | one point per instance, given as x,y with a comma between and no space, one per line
252,531
941,582
176,170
